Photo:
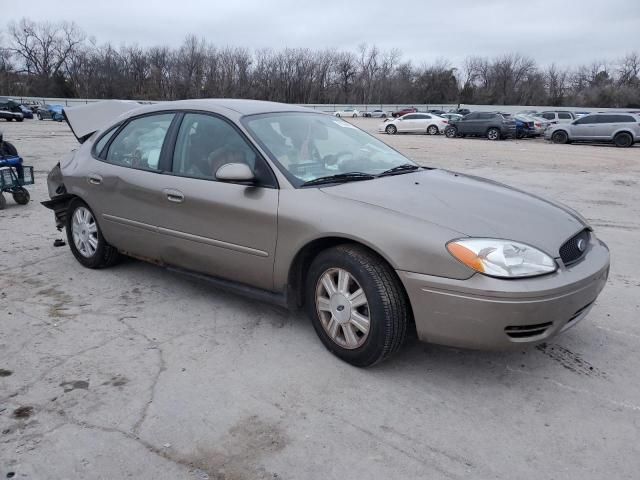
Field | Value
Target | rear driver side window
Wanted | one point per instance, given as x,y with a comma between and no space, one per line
139,143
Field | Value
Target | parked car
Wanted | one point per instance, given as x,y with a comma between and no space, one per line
403,111
291,206
621,129
527,112
524,125
415,123
559,116
460,111
493,125
375,114
26,112
436,111
9,115
53,112
539,124
580,114
347,112
10,110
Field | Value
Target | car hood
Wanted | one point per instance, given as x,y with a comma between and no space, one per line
469,205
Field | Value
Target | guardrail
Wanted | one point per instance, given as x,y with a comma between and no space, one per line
329,107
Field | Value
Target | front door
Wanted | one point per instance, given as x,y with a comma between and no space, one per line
222,229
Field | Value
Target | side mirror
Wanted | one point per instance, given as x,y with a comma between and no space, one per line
235,172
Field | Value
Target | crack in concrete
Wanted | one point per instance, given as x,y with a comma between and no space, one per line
155,345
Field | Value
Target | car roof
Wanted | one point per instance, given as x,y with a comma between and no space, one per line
229,106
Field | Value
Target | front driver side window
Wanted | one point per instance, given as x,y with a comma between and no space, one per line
139,143
206,142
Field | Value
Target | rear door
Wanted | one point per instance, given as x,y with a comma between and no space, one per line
122,184
222,229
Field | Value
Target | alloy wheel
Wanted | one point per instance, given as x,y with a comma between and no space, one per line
343,308
85,232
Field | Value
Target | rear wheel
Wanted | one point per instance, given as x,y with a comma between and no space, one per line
3,202
338,115
432,130
85,239
39,116
493,134
357,305
391,130
355,115
623,140
560,137
21,196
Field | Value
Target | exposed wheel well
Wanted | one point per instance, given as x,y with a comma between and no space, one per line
302,262
624,132
60,205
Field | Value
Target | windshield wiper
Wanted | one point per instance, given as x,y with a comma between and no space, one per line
405,167
340,178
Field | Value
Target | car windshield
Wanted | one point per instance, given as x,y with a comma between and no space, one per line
307,146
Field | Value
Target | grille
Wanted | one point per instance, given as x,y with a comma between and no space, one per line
524,331
570,251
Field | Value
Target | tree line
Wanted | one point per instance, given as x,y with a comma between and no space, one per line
60,60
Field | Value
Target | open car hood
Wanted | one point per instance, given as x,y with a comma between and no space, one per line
87,119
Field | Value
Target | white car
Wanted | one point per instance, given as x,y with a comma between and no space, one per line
428,123
347,112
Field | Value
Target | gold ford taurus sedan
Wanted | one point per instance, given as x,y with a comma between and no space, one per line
303,209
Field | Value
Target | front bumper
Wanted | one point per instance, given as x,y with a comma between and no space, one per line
489,313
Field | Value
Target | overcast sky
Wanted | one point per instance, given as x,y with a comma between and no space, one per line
567,32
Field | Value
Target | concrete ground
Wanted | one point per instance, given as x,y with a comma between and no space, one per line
137,372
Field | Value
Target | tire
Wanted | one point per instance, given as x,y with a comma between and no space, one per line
493,134
432,130
560,137
100,255
391,129
385,313
355,115
520,135
451,132
338,115
3,202
623,140
19,119
21,196
384,115
39,116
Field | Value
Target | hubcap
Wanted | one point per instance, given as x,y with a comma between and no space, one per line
343,308
85,232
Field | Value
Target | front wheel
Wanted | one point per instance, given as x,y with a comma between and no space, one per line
560,137
85,238
354,115
391,130
356,304
451,132
493,134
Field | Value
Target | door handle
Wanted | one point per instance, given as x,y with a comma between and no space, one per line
94,179
174,196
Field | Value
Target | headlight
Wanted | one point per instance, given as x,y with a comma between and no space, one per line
501,258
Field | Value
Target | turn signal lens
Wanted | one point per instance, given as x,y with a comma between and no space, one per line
501,258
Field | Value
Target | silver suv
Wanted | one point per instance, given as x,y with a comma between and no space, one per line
622,129
558,116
